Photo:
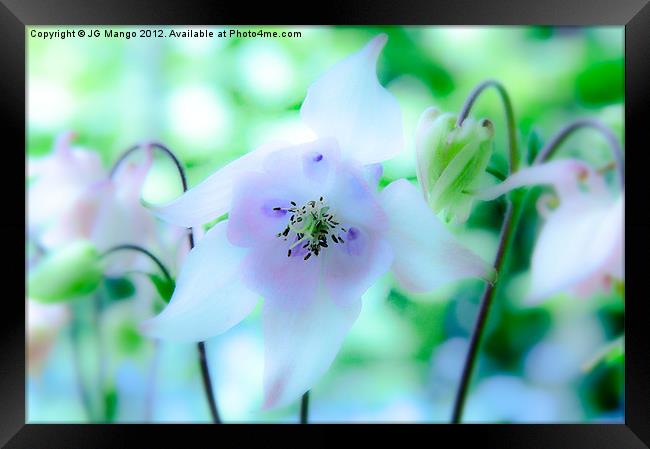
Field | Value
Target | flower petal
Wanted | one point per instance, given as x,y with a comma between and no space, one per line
427,255
209,297
348,104
350,268
212,197
300,345
580,243
290,280
563,174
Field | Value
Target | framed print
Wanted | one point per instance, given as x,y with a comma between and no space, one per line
417,220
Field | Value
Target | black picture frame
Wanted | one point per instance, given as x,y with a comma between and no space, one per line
15,15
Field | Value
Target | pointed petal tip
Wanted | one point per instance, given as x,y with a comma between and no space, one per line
376,44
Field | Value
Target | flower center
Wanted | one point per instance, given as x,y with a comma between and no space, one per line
309,226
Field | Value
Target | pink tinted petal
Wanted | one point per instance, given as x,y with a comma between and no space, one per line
212,197
130,177
270,272
79,218
57,182
300,345
209,298
351,267
348,104
120,221
576,246
427,255
563,174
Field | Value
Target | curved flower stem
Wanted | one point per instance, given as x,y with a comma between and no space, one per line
146,252
84,394
149,397
205,372
507,233
100,342
553,145
513,152
304,408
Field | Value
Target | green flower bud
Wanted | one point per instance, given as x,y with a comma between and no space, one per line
451,160
65,274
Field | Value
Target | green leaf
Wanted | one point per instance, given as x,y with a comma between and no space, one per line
129,339
601,83
66,274
610,354
119,288
110,404
535,143
164,286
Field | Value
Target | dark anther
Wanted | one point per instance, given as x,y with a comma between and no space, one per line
289,253
293,204
334,238
307,256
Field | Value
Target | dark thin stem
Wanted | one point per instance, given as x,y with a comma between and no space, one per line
98,308
304,408
207,383
146,252
553,145
505,239
513,152
507,232
205,372
84,395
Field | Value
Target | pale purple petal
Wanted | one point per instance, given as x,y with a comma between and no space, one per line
348,104
212,197
427,255
351,267
373,174
269,270
300,344
254,218
209,298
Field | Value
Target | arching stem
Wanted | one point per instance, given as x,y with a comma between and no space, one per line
139,249
513,152
506,236
205,372
549,150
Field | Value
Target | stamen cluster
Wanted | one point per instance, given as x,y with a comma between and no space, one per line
311,224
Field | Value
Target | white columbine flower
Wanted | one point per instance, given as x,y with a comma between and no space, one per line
308,231
580,247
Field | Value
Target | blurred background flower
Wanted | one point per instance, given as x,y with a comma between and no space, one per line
213,100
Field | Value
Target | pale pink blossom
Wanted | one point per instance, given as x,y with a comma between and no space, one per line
580,246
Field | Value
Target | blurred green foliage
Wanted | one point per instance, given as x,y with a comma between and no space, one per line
213,100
